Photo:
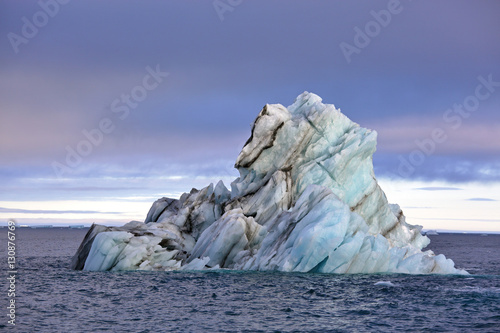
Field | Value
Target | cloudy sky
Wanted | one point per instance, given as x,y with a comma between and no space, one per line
106,106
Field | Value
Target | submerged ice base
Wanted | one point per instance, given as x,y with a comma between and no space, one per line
306,201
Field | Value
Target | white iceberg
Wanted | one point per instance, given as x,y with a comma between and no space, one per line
306,201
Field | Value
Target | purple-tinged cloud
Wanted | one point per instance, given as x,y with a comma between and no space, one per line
481,199
47,211
438,188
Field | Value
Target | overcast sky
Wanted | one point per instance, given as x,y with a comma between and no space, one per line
403,70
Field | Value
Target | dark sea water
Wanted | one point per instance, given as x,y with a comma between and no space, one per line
52,298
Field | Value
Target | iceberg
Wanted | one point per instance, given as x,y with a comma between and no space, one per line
306,200
431,233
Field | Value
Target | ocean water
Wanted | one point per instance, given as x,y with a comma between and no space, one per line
52,298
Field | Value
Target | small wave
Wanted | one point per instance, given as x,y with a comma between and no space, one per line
385,284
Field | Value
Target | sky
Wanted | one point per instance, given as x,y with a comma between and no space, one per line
107,106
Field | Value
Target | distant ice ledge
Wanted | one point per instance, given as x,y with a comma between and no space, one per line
306,201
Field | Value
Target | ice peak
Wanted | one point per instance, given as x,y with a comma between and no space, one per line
304,102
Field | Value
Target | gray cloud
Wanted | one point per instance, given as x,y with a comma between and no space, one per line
473,137
452,168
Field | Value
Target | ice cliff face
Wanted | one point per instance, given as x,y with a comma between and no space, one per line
306,201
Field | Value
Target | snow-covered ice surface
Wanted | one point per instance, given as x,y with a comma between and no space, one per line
306,201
